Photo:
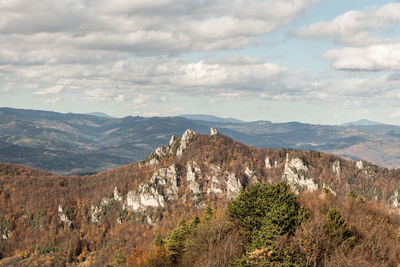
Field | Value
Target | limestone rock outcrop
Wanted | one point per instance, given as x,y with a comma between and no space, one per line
215,181
97,211
63,216
395,200
336,168
251,175
163,186
185,141
192,174
295,174
116,195
6,235
328,189
359,164
223,182
176,146
233,186
268,163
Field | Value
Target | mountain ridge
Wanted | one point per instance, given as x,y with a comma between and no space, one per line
209,118
363,122
100,114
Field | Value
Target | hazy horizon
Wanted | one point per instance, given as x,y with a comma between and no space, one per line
194,114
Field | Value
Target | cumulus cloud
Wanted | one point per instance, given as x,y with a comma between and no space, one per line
356,30
370,58
146,27
355,27
104,51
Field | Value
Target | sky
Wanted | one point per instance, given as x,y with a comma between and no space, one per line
313,61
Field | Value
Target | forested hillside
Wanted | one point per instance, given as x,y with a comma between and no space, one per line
201,200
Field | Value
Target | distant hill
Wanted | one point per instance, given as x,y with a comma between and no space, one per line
362,122
210,118
100,114
79,143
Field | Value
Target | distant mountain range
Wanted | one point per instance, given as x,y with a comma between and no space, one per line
209,118
362,122
82,143
100,114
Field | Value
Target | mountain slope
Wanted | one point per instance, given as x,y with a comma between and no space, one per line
49,219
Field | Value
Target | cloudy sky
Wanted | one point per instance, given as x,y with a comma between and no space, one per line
316,61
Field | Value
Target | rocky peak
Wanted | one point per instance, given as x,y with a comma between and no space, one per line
213,131
172,140
176,146
185,141
359,164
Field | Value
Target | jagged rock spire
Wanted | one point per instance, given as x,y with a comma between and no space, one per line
185,140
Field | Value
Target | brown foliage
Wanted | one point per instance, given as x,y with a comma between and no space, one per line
29,200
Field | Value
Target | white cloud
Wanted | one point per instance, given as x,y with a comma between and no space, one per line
91,52
90,49
355,27
143,27
50,90
52,100
364,51
144,82
370,58
395,114
141,99
102,95
119,98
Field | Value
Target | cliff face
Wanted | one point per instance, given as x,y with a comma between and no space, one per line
192,171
